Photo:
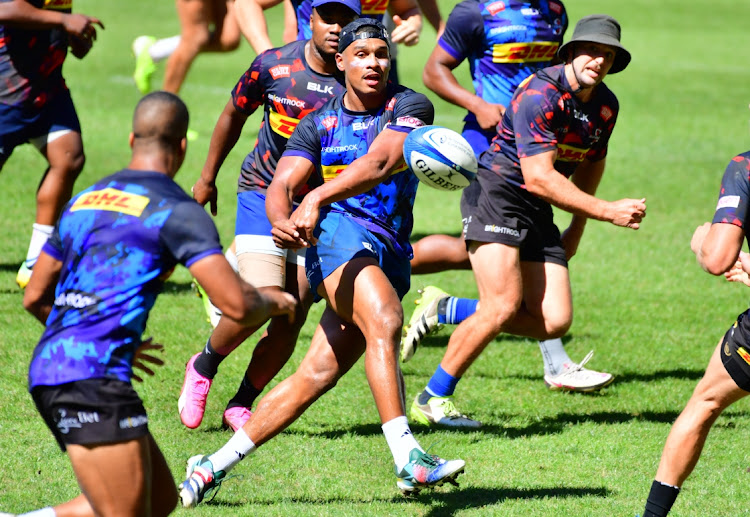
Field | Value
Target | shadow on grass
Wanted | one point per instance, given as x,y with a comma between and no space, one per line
441,503
10,268
448,503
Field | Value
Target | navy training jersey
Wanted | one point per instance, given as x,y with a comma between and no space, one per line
282,81
333,137
734,197
31,59
504,42
118,241
544,116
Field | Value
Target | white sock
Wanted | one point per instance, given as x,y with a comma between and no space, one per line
232,259
163,48
39,236
234,451
553,355
44,512
400,440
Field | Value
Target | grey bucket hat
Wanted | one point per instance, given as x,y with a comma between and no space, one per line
599,28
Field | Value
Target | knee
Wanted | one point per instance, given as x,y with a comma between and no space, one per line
389,321
495,315
558,328
230,46
320,379
195,41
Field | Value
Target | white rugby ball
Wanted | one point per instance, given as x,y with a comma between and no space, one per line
440,158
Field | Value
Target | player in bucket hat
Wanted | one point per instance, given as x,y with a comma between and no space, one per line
599,28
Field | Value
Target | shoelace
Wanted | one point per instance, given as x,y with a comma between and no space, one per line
578,367
449,409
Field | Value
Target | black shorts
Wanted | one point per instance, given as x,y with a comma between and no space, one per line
735,351
91,411
495,211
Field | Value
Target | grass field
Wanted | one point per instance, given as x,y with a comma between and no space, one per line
652,315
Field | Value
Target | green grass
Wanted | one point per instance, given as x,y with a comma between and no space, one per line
642,303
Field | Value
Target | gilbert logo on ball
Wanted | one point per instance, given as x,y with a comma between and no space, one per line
440,158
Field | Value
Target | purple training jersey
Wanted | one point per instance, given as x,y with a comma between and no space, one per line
544,116
282,81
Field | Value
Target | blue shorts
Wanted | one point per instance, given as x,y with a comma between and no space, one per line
479,139
253,230
341,239
22,124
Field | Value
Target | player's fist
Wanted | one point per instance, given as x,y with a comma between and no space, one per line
627,213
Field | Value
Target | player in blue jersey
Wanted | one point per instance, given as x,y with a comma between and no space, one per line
357,224
289,82
35,104
94,285
717,247
559,122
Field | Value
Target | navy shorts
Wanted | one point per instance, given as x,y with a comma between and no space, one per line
735,351
23,124
495,211
341,239
91,411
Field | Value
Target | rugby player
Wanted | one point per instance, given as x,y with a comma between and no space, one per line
356,229
94,285
289,82
36,106
559,123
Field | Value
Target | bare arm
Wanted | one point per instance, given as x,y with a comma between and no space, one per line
236,298
438,77
226,133
360,176
431,11
716,246
252,22
19,13
40,293
545,182
291,174
408,21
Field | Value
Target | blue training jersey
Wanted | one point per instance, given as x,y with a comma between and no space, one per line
504,42
303,9
333,137
118,241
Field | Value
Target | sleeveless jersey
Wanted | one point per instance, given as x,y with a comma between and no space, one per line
118,241
504,42
543,116
333,137
31,60
281,80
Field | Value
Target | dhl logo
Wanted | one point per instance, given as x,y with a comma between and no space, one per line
58,5
282,125
568,153
331,171
743,354
112,200
524,52
376,7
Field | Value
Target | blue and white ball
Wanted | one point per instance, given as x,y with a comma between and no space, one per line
440,158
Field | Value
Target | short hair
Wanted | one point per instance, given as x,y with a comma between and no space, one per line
160,118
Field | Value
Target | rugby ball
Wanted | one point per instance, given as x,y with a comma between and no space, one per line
440,158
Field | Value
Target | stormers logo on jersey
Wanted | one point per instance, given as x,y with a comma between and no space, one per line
524,52
112,200
568,153
329,122
281,124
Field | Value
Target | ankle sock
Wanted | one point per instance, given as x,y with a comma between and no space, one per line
207,363
660,499
453,310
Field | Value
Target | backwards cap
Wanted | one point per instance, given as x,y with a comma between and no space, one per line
363,28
